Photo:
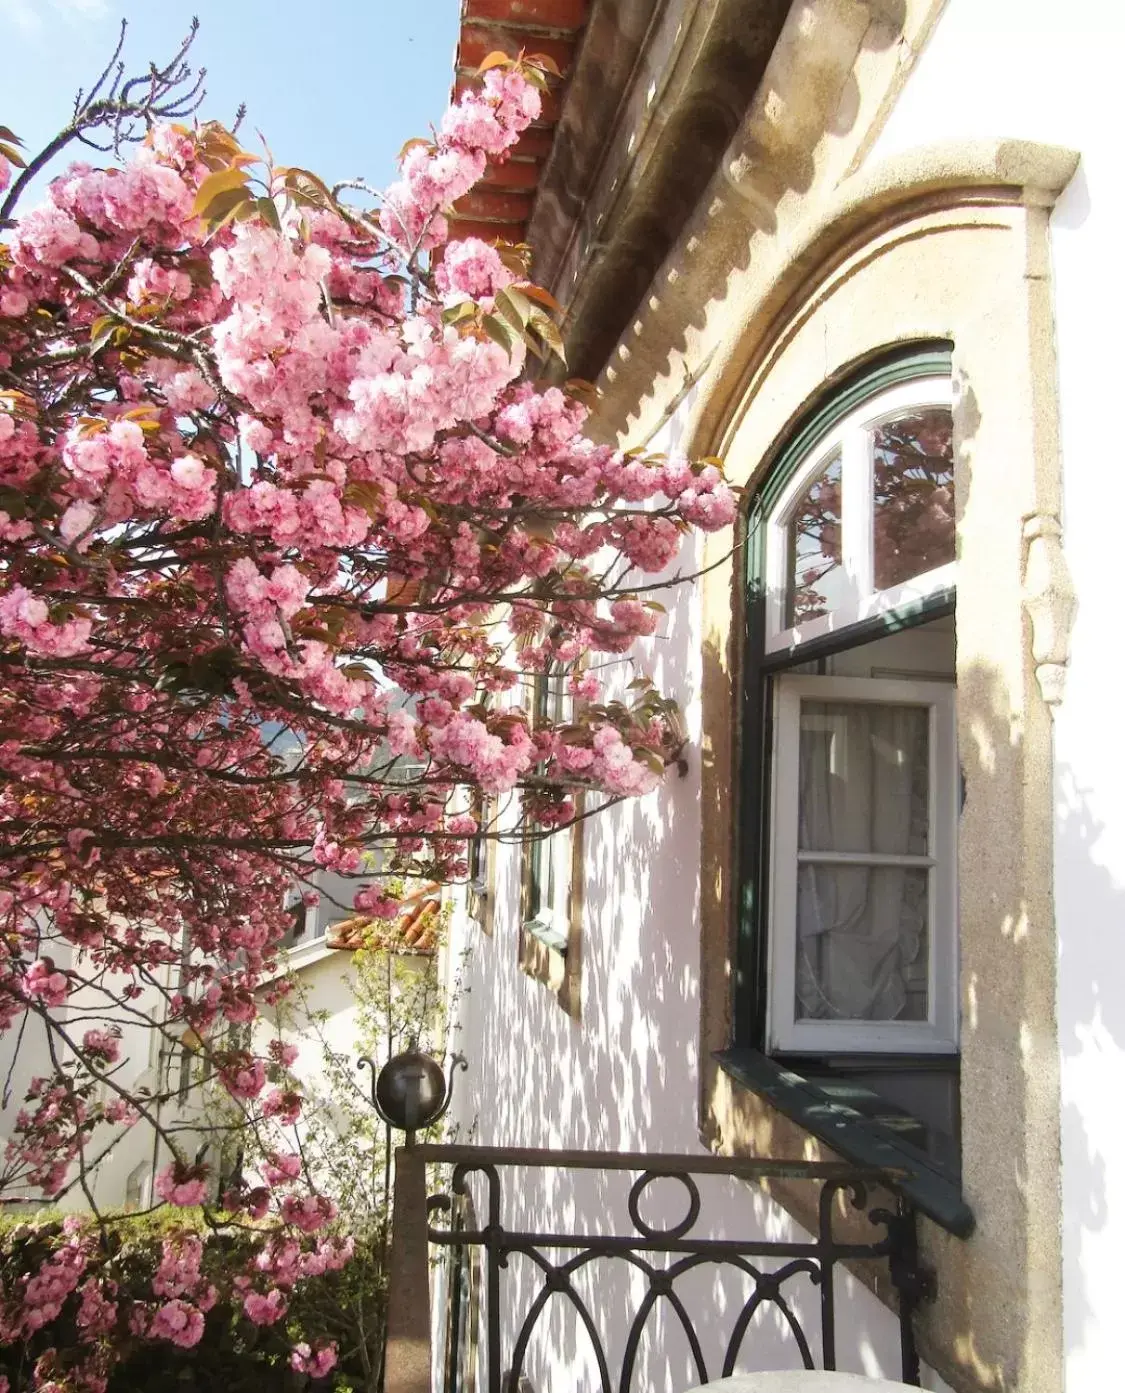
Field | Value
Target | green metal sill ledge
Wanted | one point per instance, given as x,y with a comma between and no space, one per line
929,1188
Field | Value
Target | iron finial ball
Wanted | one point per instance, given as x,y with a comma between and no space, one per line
411,1091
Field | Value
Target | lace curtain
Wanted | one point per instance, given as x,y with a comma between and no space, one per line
861,925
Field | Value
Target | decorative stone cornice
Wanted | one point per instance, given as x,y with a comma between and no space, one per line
658,89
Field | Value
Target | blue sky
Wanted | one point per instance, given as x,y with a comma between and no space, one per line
337,86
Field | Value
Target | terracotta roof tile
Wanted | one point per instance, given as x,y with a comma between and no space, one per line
550,14
494,209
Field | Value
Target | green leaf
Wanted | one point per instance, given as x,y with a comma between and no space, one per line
268,211
496,59
13,503
499,332
410,145
222,181
514,306
548,331
307,187
543,297
224,207
456,313
366,495
541,60
101,331
12,155
535,76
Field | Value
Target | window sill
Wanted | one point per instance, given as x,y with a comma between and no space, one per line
929,1188
301,956
548,934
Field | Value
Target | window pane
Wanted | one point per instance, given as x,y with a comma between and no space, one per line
864,778
817,583
914,523
862,943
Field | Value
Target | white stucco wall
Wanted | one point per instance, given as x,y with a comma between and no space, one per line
625,1077
1051,72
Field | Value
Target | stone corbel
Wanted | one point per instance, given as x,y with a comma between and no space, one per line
1050,602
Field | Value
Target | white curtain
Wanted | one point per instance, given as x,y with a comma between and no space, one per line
861,929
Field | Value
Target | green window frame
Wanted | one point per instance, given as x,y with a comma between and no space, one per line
547,871
842,1109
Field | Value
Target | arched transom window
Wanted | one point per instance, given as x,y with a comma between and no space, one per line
865,525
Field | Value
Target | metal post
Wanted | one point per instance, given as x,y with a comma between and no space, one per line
408,1302
913,1284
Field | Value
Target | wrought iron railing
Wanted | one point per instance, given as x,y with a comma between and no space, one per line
664,1256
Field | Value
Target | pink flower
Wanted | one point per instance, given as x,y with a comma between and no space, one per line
316,1362
25,617
97,1313
43,981
473,268
244,1077
285,1105
77,519
282,1053
179,1271
309,1213
282,1166
177,1321
102,1045
182,1185
374,901
265,1310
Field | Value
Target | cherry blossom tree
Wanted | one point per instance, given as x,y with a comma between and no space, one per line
286,531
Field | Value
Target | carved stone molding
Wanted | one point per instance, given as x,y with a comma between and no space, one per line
1050,603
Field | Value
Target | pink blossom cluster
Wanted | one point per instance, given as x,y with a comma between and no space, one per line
285,544
182,1185
104,1046
44,1294
97,1311
49,1132
471,268
177,1321
317,1360
115,476
27,618
480,126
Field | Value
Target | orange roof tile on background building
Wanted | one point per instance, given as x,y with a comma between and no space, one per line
414,932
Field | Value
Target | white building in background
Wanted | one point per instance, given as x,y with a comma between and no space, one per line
328,1016
869,251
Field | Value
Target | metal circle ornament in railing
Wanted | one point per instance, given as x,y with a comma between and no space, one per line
675,1230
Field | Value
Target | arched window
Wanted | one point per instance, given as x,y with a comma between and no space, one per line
852,790
865,522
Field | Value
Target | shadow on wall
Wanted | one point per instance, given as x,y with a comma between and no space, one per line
1091,1028
625,1077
